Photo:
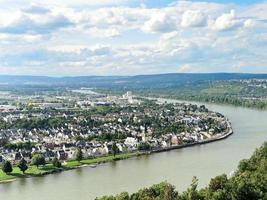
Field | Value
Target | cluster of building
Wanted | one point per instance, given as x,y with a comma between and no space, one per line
127,122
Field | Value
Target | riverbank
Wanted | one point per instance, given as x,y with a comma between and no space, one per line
253,104
214,139
69,165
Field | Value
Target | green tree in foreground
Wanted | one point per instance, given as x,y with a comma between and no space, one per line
56,163
23,165
192,192
7,167
123,196
79,155
38,160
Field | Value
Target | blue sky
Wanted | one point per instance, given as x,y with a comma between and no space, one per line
162,3
244,2
128,37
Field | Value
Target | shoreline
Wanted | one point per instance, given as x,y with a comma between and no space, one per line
205,101
70,165
97,161
215,139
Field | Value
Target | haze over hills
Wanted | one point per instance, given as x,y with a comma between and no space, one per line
138,81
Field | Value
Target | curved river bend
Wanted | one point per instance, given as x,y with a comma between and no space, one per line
177,166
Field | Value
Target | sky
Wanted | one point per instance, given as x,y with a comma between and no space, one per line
130,37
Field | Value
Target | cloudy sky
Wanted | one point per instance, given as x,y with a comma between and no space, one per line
128,37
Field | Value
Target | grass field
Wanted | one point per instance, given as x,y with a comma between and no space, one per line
49,168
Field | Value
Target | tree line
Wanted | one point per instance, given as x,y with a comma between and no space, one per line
38,160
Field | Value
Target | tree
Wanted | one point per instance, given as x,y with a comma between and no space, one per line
56,163
123,196
23,165
114,149
144,146
191,193
38,159
79,154
218,183
7,167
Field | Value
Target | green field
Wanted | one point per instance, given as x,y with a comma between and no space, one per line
49,168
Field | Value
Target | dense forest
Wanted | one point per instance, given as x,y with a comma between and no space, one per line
249,182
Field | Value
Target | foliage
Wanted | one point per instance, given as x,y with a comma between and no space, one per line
56,163
49,168
191,193
114,149
162,191
78,154
232,92
109,137
33,122
23,165
144,146
7,167
38,159
20,145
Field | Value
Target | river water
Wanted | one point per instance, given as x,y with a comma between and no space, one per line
177,166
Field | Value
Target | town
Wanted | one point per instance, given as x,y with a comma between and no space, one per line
56,126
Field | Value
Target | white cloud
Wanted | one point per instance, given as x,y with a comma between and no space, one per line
110,22
160,22
250,23
100,50
71,39
192,18
7,38
43,24
104,33
36,9
227,21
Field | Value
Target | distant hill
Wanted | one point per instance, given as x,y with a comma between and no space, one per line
139,81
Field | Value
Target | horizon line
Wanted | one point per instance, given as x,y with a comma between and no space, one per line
171,73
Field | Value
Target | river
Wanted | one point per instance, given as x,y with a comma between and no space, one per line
177,166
